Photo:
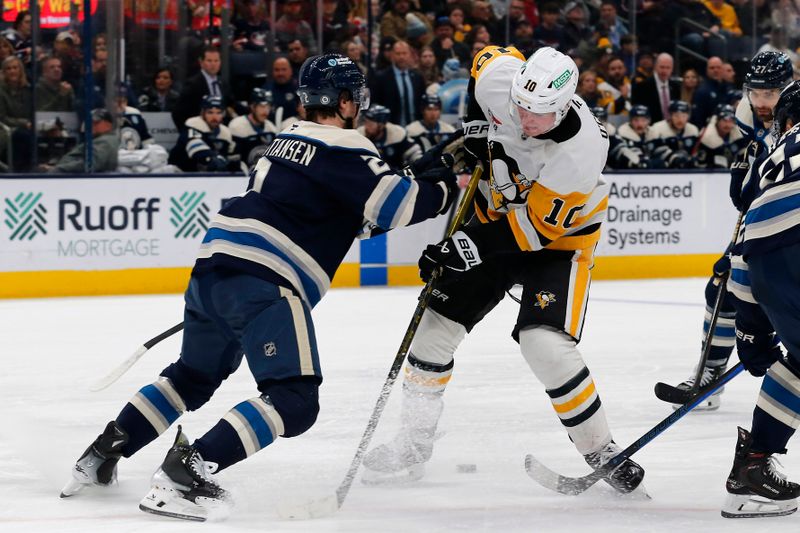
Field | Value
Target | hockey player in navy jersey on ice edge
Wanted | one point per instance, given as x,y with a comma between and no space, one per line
265,262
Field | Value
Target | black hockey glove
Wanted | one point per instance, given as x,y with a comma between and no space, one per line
436,157
722,266
476,146
457,254
740,168
757,351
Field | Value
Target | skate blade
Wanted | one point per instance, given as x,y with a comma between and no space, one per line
408,475
752,506
72,488
712,403
169,502
639,494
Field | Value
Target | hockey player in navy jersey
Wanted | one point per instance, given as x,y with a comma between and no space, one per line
768,73
253,132
265,262
205,143
429,130
766,267
537,222
390,139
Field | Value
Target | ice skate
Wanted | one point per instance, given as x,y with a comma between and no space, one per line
710,375
626,477
183,488
98,464
755,486
402,460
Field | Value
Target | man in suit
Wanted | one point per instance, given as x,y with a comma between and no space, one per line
205,82
399,87
657,91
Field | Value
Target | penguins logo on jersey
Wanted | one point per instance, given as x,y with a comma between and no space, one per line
270,349
545,298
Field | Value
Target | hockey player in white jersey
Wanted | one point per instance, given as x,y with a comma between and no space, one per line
537,221
253,132
266,260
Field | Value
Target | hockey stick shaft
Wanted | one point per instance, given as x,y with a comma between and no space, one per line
422,304
123,367
575,486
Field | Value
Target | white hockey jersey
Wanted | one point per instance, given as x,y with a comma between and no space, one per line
550,187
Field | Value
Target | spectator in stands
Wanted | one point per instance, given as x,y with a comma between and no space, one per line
785,16
628,148
609,25
711,93
20,34
399,87
628,52
6,49
577,32
205,82
160,96
283,89
251,28
721,141
481,14
728,27
645,64
390,139
549,32
615,88
291,26
133,131
428,67
52,92
690,81
15,110
445,46
335,27
587,89
205,143
671,141
105,148
691,37
658,90
384,59
429,130
401,22
65,48
253,132
461,29
516,15
479,32
728,74
297,53
523,39
355,52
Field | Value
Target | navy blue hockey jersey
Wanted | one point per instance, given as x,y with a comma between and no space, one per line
307,200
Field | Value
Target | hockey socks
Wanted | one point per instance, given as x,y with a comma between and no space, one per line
149,414
247,428
777,412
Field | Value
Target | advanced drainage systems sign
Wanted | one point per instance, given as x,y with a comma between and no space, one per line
107,223
667,214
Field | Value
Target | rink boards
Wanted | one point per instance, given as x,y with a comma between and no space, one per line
139,235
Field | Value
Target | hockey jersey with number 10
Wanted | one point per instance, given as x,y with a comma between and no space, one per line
550,187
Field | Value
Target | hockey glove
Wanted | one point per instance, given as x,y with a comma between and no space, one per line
476,145
757,352
722,266
456,254
740,170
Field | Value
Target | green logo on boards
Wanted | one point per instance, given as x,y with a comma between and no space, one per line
189,214
562,79
25,216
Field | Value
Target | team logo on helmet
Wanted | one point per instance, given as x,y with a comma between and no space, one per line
545,298
332,62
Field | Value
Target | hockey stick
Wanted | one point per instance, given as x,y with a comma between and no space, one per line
330,504
672,394
575,485
124,366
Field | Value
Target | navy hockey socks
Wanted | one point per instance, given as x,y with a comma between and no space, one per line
777,412
149,414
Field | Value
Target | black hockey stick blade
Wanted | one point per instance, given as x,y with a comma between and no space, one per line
672,394
573,486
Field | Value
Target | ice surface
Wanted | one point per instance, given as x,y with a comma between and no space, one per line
637,333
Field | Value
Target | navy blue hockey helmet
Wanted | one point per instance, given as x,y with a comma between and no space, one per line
769,70
639,111
678,106
378,113
600,112
323,78
260,96
787,108
431,100
211,102
725,111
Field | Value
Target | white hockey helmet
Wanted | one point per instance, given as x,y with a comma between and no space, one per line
545,83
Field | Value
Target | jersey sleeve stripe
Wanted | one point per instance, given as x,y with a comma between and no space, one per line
392,201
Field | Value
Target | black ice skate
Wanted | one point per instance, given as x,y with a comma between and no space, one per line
710,375
98,464
626,477
183,487
755,487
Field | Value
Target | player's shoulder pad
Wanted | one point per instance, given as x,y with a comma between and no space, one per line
394,133
197,123
131,111
659,130
239,125
415,128
744,117
225,133
444,127
690,130
710,138
489,53
331,137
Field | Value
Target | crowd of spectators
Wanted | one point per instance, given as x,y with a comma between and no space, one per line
420,59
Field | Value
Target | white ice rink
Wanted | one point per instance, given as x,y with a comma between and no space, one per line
637,333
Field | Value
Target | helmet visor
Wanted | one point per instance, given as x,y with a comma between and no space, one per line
361,98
